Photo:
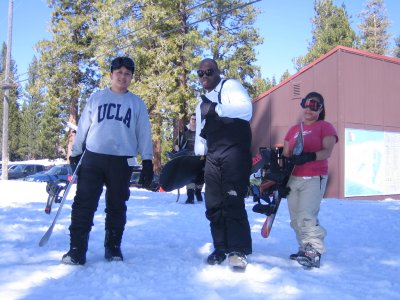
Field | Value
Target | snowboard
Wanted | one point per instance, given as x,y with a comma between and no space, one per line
270,193
273,186
260,159
172,155
181,171
269,221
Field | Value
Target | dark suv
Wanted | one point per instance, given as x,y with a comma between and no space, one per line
62,172
17,171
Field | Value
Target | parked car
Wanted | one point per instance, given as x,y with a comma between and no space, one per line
17,171
155,184
61,172
8,167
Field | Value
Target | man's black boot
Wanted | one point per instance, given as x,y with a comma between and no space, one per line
217,257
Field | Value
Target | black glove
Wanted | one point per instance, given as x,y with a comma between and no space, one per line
207,108
265,209
278,177
146,176
304,158
73,162
283,191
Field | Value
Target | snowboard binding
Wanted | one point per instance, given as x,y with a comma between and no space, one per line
271,184
54,189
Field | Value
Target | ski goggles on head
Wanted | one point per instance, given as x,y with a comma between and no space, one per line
312,104
207,72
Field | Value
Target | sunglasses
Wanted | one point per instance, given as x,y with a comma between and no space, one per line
313,105
207,72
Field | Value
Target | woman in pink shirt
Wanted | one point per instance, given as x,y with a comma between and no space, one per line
308,179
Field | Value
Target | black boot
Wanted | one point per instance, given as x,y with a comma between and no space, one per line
77,251
217,257
199,196
190,196
294,256
112,245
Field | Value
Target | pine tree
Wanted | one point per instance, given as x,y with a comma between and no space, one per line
66,68
32,110
28,143
273,81
152,82
166,44
331,27
374,35
396,51
50,141
231,38
113,31
285,76
260,85
164,65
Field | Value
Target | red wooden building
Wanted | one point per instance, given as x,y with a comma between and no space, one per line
362,101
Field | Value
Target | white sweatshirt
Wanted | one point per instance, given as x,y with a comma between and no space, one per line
115,124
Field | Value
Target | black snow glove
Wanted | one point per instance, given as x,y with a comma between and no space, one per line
207,108
283,191
304,158
146,176
74,161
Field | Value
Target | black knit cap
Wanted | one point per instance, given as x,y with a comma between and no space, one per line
123,61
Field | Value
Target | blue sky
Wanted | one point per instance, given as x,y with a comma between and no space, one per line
286,28
284,25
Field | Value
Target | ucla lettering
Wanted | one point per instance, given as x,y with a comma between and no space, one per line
101,112
110,116
117,116
112,111
127,119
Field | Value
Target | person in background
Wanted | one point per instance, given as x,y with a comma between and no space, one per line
185,142
113,128
308,179
223,134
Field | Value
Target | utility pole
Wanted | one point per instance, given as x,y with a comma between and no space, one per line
6,86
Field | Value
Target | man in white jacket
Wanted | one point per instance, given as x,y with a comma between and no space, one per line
113,128
223,134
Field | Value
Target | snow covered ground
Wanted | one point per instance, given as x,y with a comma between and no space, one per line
166,243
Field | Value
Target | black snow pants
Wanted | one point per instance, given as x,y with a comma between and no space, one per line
227,172
97,170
